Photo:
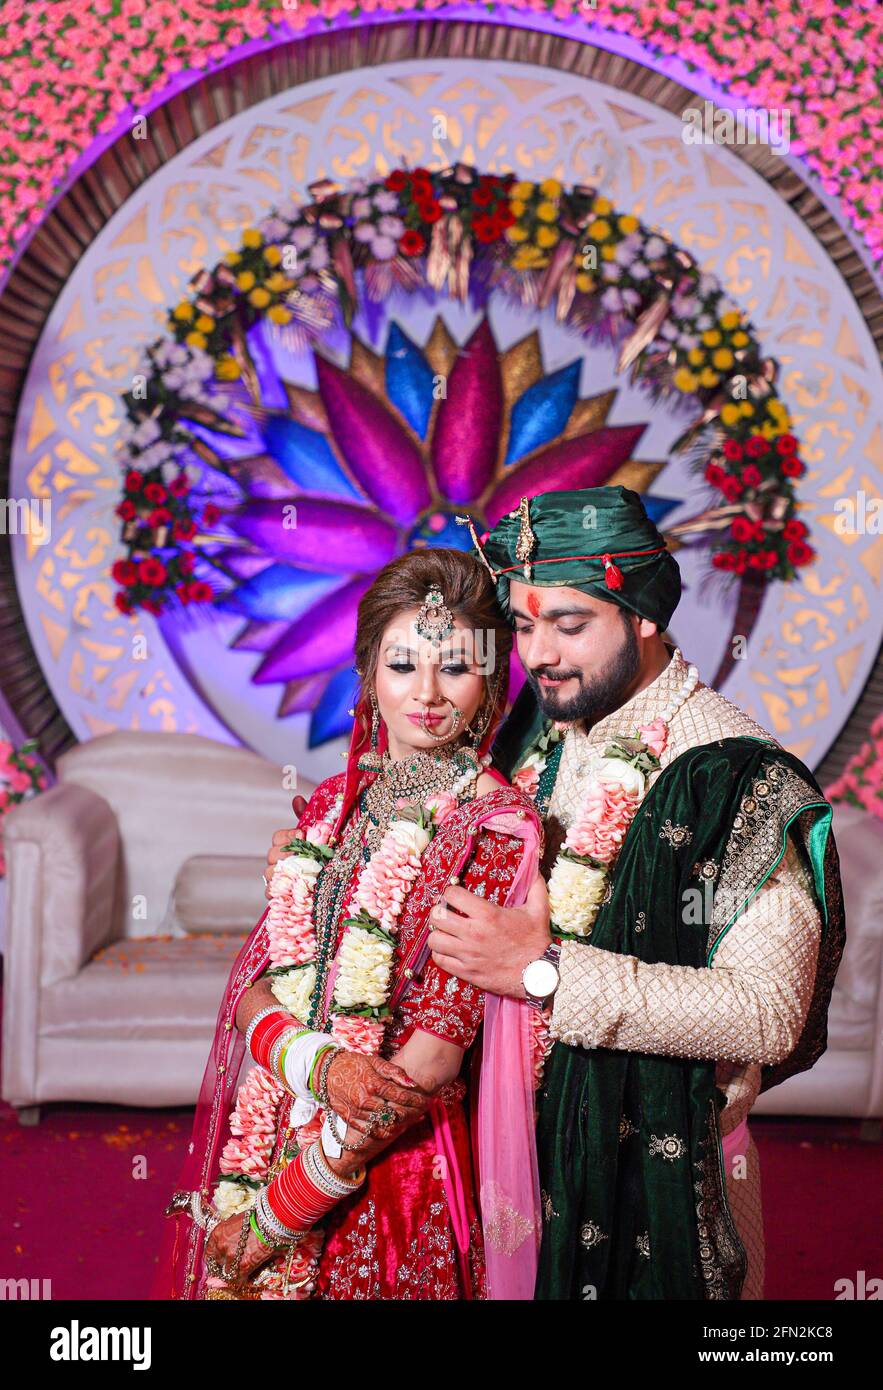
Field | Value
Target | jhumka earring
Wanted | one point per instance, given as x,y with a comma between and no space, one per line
375,722
434,621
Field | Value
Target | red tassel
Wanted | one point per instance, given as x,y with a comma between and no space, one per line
612,573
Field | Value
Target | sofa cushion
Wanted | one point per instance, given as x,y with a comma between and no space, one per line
148,987
217,893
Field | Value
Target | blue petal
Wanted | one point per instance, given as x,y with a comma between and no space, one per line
408,380
541,413
658,507
307,458
331,717
280,591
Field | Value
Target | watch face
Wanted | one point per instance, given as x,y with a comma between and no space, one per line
540,979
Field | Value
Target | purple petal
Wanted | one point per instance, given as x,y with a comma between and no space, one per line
323,638
587,461
259,636
385,462
467,431
299,697
326,536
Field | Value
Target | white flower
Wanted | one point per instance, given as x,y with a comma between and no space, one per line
300,865
295,990
654,248
619,773
231,1198
410,834
391,226
146,433
575,892
364,962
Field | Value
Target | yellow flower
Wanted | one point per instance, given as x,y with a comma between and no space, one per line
260,297
232,257
529,258
245,280
227,368
516,207
524,190
731,319
708,377
685,380
204,323
184,311
599,229
739,339
723,358
252,238
602,206
551,188
547,236
277,282
516,233
695,357
279,314
776,408
730,414
196,340
584,283
746,408
769,430
547,212
711,337
608,252
628,224
272,254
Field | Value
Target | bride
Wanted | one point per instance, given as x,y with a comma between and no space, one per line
344,1165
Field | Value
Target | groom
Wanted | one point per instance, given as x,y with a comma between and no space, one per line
707,971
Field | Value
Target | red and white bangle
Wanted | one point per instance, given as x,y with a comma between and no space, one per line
305,1191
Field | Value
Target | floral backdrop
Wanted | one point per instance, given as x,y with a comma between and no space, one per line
74,69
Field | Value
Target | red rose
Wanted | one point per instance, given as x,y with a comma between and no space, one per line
184,530
160,516
741,561
792,467
714,474
183,592
180,486
794,530
420,173
396,181
211,514
127,509
770,559
482,196
421,190
412,242
732,450
799,553
755,446
786,443
504,216
484,228
200,592
186,562
731,488
151,571
429,211
751,475
125,573
741,529
152,605
155,492
723,560
123,603
134,479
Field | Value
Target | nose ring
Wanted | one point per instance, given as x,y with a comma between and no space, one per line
456,716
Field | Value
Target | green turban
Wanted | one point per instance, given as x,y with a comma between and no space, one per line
596,540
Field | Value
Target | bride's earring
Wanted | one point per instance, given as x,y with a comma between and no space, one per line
375,722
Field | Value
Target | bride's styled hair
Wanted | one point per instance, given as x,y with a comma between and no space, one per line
468,591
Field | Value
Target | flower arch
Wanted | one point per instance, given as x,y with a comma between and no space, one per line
195,537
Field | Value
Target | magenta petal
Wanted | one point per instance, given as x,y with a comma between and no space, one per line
328,536
587,461
466,437
379,454
323,638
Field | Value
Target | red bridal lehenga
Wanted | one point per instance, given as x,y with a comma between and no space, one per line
413,1230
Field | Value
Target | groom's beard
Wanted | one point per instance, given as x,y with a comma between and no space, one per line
598,694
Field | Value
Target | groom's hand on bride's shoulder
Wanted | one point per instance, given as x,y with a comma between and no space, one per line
489,945
283,837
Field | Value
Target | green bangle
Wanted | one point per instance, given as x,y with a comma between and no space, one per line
257,1230
316,1060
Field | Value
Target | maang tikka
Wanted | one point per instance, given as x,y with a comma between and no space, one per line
435,621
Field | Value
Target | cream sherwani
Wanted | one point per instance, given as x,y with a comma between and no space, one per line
746,1009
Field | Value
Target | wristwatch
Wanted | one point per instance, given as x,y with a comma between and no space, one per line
541,978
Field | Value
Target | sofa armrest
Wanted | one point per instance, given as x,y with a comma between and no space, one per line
62,851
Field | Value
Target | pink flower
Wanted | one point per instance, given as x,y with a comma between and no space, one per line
526,779
319,834
358,1034
442,805
601,824
655,735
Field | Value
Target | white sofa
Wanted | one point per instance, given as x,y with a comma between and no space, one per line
132,884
